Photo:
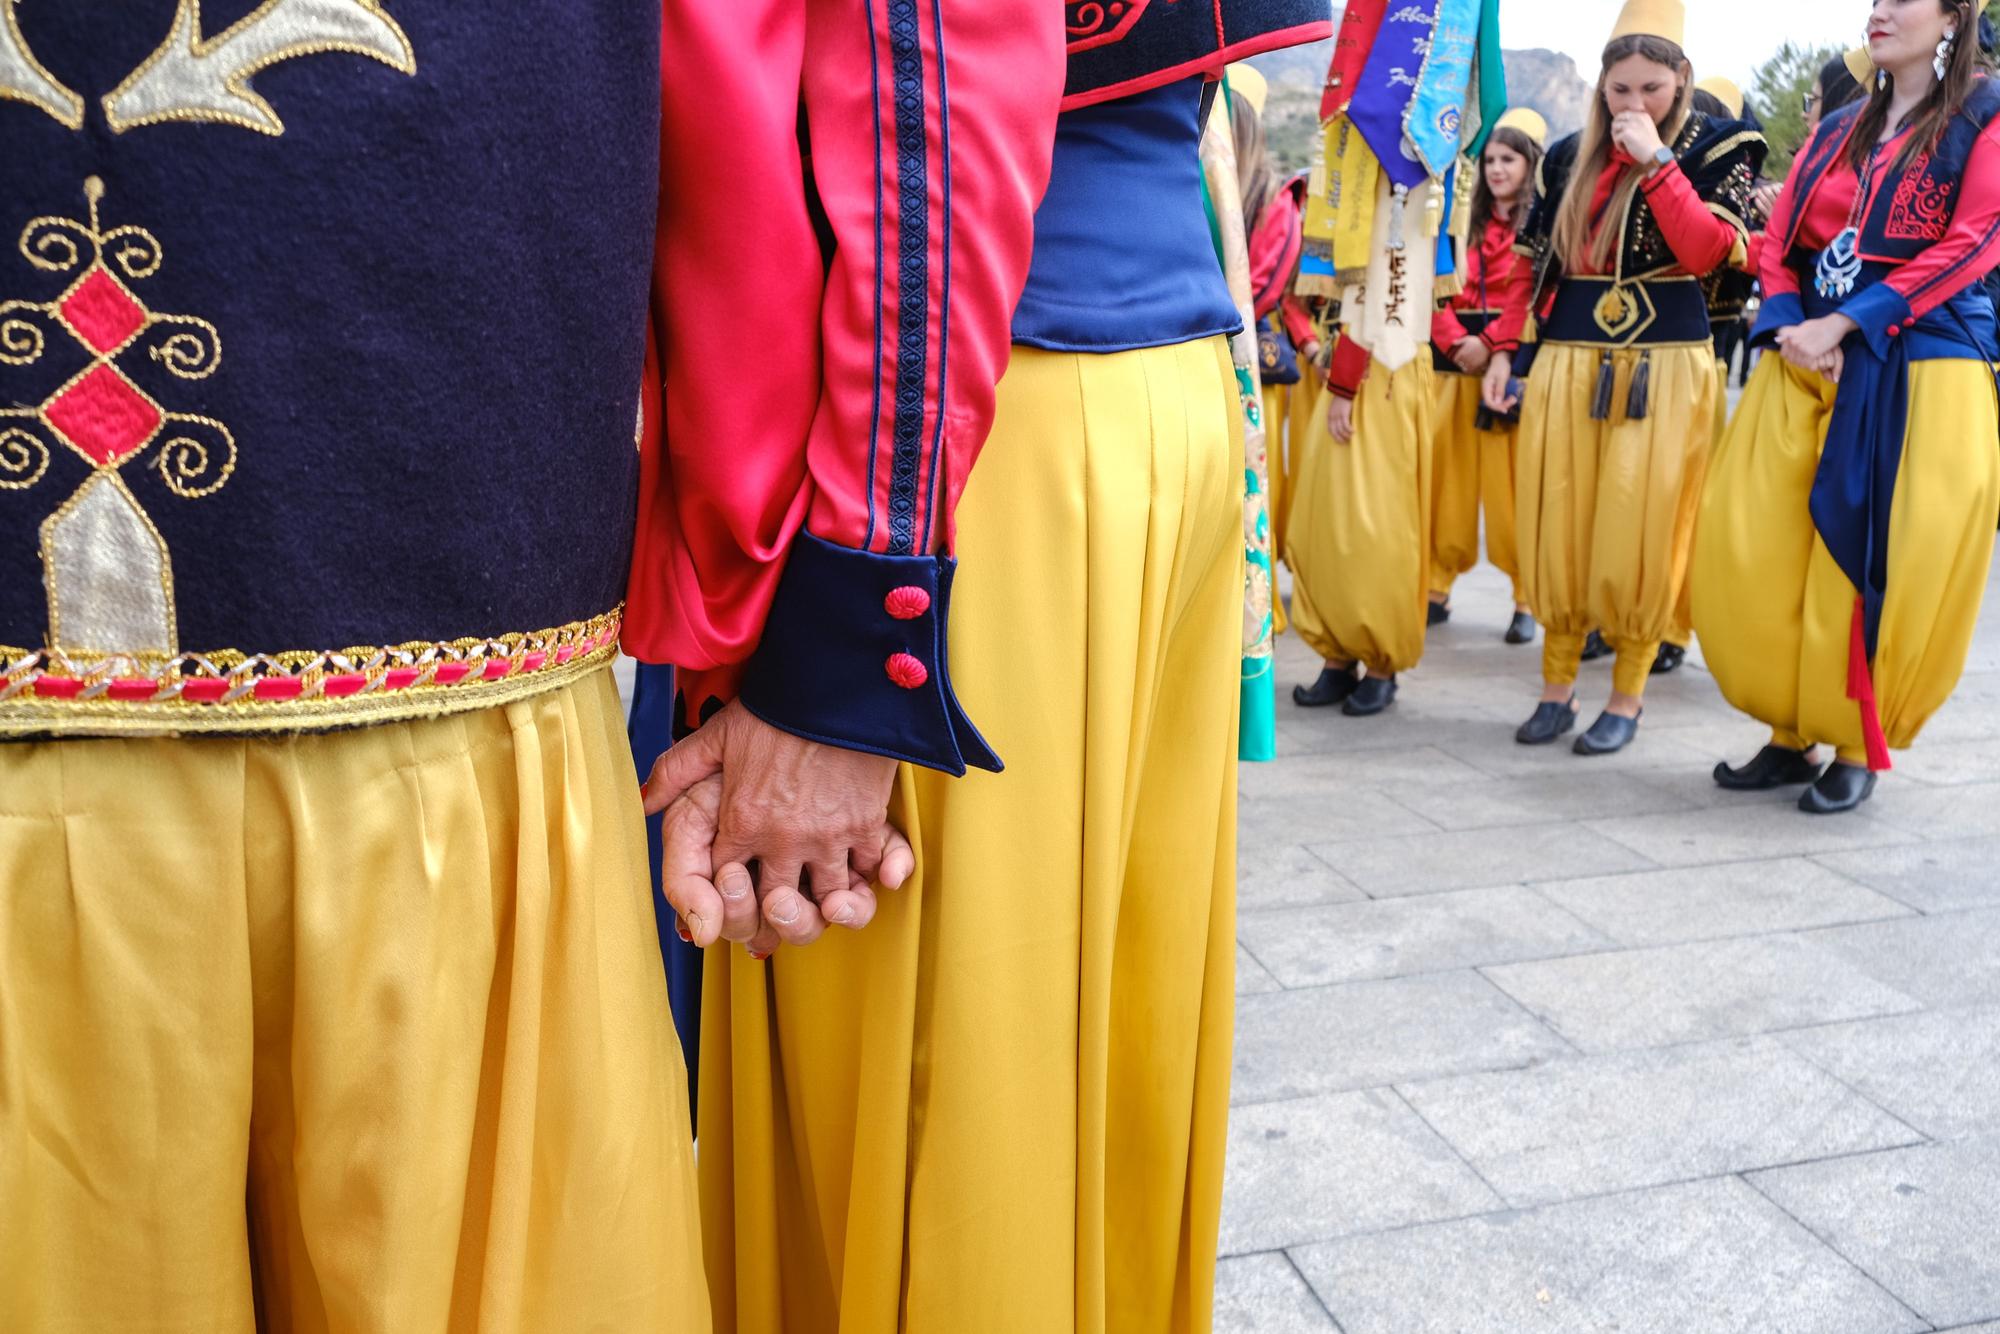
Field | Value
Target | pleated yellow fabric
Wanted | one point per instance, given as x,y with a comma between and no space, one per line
1002,1106
1607,508
1774,611
1277,486
1471,470
1360,536
397,987
1680,630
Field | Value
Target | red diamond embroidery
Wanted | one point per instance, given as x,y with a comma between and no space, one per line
101,312
103,415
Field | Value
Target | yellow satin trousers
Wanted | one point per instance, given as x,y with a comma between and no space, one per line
1288,414
1774,611
1360,546
363,1031
1471,470
1607,508
1002,1106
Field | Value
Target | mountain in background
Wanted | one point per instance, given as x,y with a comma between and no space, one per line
1544,80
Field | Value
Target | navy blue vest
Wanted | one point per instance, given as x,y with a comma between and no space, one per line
1129,46
321,333
1913,208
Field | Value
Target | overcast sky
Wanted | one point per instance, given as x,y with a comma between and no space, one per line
1730,37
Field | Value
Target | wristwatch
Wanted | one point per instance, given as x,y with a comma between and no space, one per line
1662,157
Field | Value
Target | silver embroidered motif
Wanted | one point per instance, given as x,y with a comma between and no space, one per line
108,573
1839,265
22,78
191,78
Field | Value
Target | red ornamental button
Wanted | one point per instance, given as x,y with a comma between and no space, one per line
1895,330
907,603
906,671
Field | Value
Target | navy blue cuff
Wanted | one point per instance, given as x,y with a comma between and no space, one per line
853,655
1781,310
1881,312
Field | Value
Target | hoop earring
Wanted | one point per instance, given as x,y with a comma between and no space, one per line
1943,59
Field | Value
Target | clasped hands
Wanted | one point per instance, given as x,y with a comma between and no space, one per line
1815,345
770,838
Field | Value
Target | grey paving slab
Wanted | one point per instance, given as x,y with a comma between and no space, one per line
1930,877
1923,1222
1965,811
1283,875
1347,772
1711,902
1251,976
1292,1044
1753,832
1490,802
1595,1124
1992,1328
1938,1070
1948,763
1321,817
1264,1294
1710,1257
1393,937
1688,993
1311,1169
1474,859
1950,959
1492,749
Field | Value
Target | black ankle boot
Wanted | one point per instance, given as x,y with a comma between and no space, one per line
1521,630
1439,613
1669,658
1594,647
1610,734
1773,766
1332,687
1841,788
1552,719
1374,694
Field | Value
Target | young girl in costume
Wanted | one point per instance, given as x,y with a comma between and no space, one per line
1473,450
1618,414
1848,527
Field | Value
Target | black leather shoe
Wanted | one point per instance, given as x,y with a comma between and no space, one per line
1669,658
1521,630
1773,766
1553,718
1374,694
1332,688
1610,734
1594,647
1841,788
1439,613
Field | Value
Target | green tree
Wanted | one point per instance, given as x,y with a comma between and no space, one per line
1778,91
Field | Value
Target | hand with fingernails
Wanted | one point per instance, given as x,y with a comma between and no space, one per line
812,819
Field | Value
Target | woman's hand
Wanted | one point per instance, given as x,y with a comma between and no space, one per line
1471,355
1815,344
1493,392
1763,199
1310,352
1340,417
1635,132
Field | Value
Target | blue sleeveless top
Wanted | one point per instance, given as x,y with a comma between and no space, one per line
1123,255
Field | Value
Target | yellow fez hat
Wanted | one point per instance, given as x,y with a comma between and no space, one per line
1528,121
1246,79
1653,18
1726,92
1860,65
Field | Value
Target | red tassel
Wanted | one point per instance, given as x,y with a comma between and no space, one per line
1861,689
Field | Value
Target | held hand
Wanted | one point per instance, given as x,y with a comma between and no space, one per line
1812,344
814,818
1340,417
1471,355
1635,132
1493,392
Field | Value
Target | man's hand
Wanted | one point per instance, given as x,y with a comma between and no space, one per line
1340,417
814,819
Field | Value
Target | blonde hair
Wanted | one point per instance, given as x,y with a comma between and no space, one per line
1573,241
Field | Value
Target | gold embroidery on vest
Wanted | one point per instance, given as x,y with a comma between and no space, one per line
192,78
25,79
106,568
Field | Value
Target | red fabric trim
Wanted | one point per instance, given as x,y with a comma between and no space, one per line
1210,64
1861,689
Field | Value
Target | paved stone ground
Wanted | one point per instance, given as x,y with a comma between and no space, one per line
1529,1042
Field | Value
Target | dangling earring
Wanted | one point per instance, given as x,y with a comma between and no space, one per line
1881,78
1944,54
